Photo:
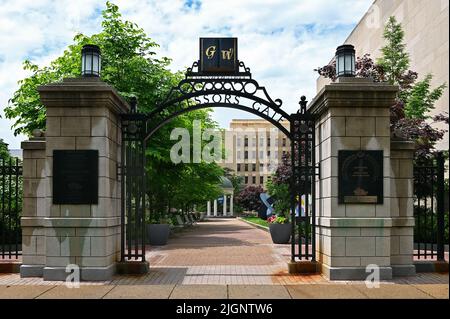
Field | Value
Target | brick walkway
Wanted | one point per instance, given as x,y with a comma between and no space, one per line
224,252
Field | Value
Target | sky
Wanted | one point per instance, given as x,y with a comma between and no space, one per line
281,41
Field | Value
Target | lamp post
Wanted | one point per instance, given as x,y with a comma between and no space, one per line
91,61
345,61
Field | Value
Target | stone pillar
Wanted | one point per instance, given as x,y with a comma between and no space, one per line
402,208
352,114
215,207
34,208
208,208
224,205
231,205
83,114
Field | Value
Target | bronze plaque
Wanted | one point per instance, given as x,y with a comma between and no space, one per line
75,177
360,178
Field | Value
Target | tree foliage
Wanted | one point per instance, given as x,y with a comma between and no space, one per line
129,63
249,198
410,118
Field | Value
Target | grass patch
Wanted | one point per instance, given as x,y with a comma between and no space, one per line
257,220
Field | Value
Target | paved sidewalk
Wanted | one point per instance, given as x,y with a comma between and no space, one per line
309,291
223,258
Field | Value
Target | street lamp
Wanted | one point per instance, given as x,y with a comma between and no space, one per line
345,61
91,61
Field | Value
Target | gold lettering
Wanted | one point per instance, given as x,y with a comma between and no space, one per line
210,51
227,54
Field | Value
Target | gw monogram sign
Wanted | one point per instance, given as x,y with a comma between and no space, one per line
218,55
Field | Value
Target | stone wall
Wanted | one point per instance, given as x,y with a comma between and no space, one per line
82,114
353,114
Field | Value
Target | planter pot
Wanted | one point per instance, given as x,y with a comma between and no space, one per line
280,233
158,234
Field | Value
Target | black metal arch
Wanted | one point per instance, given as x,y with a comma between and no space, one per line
217,91
197,91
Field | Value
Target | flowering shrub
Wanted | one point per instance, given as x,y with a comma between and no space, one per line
274,219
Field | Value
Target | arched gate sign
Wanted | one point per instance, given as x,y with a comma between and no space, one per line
218,79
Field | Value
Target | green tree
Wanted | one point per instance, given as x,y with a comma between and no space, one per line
421,99
4,152
394,59
129,63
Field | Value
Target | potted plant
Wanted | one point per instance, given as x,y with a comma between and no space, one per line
158,230
280,229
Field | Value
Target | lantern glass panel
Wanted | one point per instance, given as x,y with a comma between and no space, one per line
348,64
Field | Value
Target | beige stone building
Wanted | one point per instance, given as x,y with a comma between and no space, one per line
425,23
254,148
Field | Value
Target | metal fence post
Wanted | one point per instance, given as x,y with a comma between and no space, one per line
440,206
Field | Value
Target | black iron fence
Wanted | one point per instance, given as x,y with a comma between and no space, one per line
431,227
10,208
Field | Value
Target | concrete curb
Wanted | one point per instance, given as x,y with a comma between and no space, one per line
253,224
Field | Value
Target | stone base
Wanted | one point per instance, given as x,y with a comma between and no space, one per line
31,271
86,273
353,273
403,270
132,267
303,267
431,266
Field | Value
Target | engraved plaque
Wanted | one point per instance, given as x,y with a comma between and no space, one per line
75,177
218,55
360,177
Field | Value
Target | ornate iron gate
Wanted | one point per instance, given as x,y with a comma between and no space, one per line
10,208
429,212
232,90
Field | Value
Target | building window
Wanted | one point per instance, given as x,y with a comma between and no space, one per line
261,166
246,142
268,153
238,142
253,154
246,167
238,155
261,179
238,167
254,141
254,167
268,141
261,155
284,142
276,154
276,141
246,155
253,179
246,179
261,141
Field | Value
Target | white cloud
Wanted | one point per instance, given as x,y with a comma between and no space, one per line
281,41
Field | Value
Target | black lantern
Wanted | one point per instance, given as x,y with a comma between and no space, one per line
345,61
91,61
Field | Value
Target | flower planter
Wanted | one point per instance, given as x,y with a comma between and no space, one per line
158,234
280,233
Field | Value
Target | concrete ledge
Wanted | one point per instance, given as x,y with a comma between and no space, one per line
431,266
304,267
403,270
86,273
253,224
364,222
353,273
132,267
31,271
10,267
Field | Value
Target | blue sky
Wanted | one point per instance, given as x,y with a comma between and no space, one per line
281,41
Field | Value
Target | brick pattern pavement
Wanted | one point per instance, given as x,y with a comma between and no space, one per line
221,252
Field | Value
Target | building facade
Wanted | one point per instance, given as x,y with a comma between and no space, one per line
254,149
425,23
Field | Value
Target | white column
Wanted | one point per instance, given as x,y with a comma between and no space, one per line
208,208
215,207
224,205
231,205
